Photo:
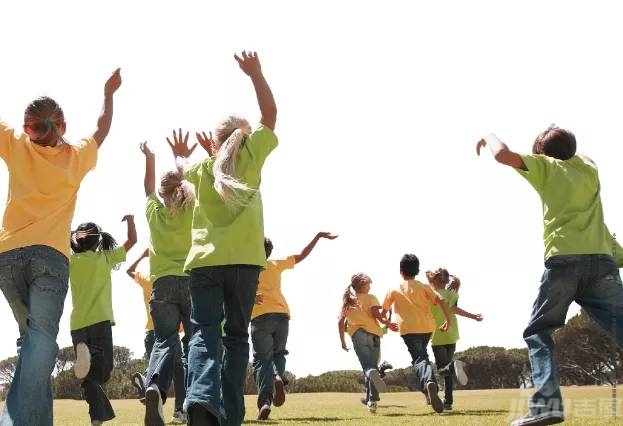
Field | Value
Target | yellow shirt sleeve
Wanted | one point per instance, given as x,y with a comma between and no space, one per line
287,263
389,301
7,139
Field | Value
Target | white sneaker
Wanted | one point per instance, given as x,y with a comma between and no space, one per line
153,406
376,380
83,360
179,417
372,406
459,368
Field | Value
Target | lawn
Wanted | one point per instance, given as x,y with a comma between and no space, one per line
583,406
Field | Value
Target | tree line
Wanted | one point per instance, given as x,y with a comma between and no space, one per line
585,356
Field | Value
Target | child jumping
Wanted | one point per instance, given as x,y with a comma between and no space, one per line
227,254
45,172
579,263
444,342
169,242
138,379
95,254
269,328
412,305
362,312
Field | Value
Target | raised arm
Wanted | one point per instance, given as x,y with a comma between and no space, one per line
461,312
105,119
501,152
150,169
309,247
181,151
250,64
131,271
129,243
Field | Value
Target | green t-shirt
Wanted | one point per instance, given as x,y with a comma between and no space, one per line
450,336
573,218
169,238
225,234
91,286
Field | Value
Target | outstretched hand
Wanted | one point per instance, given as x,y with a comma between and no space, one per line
146,150
128,218
249,63
207,143
113,83
179,147
478,317
481,144
327,235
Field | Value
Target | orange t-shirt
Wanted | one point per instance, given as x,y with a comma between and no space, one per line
412,303
43,186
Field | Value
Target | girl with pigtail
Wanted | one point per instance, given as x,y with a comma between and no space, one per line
227,253
169,223
45,172
95,255
360,316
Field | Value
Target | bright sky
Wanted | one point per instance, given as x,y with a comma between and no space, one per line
380,107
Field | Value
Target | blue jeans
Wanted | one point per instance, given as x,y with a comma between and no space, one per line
34,281
169,306
591,280
98,337
269,334
179,372
368,349
216,377
443,359
416,344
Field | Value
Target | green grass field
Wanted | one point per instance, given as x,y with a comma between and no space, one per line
583,406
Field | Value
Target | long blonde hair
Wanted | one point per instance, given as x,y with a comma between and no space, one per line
349,299
231,134
175,191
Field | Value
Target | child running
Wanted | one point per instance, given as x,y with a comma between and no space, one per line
95,254
579,263
412,305
360,316
269,328
45,172
138,379
169,305
444,342
227,254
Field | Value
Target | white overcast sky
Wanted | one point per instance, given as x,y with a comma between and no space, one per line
380,107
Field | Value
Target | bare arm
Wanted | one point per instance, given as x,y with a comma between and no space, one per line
105,118
341,328
309,247
250,64
446,313
377,312
466,314
150,169
131,271
501,152
129,243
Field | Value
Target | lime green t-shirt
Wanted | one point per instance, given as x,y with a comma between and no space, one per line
450,336
169,240
573,218
225,234
91,286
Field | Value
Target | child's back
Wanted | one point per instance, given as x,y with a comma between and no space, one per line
412,301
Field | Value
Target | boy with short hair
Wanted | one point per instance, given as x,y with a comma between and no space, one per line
579,263
412,305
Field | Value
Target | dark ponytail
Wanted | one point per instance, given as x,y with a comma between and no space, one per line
89,236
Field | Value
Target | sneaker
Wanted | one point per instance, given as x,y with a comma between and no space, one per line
383,367
427,399
459,368
364,401
279,396
179,417
264,412
138,380
83,361
446,406
435,401
376,380
542,419
372,406
153,406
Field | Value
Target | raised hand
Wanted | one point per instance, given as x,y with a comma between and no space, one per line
327,235
128,218
179,147
113,83
481,144
207,143
146,150
249,63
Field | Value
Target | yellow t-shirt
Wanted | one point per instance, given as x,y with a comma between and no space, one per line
43,185
360,316
270,287
145,283
412,304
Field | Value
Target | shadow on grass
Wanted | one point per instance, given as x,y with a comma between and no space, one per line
313,419
450,413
